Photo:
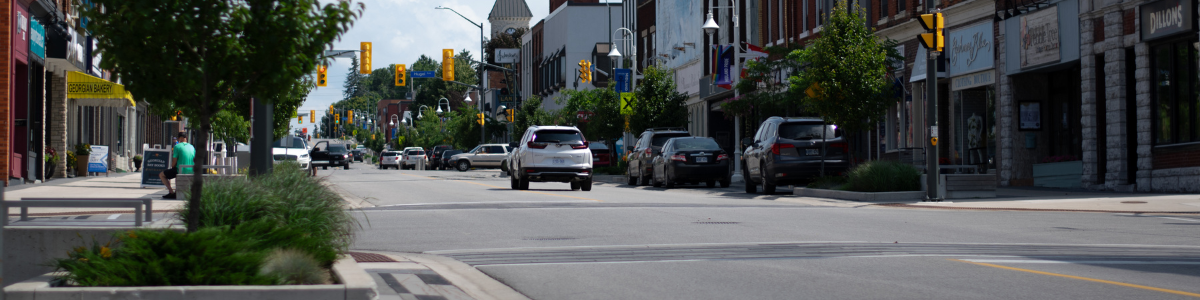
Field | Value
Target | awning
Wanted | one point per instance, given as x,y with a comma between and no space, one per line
88,90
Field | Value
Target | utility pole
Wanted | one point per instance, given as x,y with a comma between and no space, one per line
934,41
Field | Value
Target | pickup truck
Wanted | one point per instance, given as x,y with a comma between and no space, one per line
325,154
483,156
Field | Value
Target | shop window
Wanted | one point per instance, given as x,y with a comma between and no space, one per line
1176,93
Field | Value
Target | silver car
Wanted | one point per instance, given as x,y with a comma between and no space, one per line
389,159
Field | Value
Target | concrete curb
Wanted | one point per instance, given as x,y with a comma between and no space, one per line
352,201
859,196
467,278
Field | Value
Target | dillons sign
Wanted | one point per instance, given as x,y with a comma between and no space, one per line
1166,18
1171,17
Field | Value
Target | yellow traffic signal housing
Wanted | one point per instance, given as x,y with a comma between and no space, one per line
509,113
364,66
401,73
583,71
934,39
480,119
350,117
337,118
448,64
312,116
322,76
299,120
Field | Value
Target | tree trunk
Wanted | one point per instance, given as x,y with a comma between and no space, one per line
198,171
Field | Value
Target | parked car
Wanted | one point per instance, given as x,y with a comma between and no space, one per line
551,154
435,156
445,162
389,159
691,159
292,148
641,155
789,151
601,155
483,156
325,154
411,157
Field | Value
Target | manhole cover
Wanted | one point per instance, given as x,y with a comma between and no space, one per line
716,223
1133,202
552,238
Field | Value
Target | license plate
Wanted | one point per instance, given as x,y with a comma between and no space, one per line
701,159
812,151
558,161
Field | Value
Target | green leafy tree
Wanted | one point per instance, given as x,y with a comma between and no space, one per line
230,127
354,80
847,71
605,122
204,56
657,103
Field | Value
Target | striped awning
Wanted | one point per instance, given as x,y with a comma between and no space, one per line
88,90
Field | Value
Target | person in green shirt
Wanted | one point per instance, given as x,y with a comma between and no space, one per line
183,154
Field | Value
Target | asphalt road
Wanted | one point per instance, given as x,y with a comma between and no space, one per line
623,242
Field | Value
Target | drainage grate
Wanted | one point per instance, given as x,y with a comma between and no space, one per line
716,223
550,238
369,257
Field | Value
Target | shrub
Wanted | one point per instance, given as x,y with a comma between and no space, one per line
294,267
828,183
883,176
208,256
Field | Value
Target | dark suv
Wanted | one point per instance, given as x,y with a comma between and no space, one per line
649,144
791,151
435,157
325,154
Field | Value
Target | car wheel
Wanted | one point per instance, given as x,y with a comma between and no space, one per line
574,186
725,182
646,179
346,167
710,184
464,165
523,183
669,182
751,188
514,183
586,185
653,181
768,184
632,180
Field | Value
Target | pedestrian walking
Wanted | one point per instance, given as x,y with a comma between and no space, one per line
182,154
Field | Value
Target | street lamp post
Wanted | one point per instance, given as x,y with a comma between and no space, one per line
710,26
482,129
630,45
392,121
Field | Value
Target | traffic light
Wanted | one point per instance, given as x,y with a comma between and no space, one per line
583,71
364,65
322,76
337,118
299,120
448,64
350,117
587,70
509,113
401,73
312,116
934,39
480,119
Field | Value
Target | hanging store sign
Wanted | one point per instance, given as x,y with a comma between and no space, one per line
1166,17
973,80
971,49
508,55
37,38
1039,37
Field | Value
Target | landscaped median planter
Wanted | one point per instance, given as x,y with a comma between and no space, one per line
859,196
353,284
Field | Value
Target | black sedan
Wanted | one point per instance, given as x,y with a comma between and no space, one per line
691,159
445,158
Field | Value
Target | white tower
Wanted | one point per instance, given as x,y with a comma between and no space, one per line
509,15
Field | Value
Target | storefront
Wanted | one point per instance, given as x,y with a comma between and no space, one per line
1169,30
970,55
18,106
1039,106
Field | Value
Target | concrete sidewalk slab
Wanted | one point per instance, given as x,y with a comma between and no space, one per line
121,185
425,276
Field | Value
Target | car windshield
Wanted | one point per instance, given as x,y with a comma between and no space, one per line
289,142
696,144
806,131
337,148
661,139
417,153
557,136
391,153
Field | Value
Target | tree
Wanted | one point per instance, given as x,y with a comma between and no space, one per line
764,95
847,72
203,56
354,79
605,121
657,103
502,40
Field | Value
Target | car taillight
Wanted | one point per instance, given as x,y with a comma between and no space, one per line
647,151
722,157
775,148
584,146
533,145
844,146
679,157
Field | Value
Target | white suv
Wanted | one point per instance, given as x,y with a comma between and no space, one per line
411,157
551,154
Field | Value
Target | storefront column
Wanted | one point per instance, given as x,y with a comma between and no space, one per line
1004,111
1145,163
56,119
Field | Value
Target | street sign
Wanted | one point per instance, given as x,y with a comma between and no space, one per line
421,74
622,77
626,104
340,53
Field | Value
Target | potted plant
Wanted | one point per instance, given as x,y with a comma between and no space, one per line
137,162
82,152
51,163
70,163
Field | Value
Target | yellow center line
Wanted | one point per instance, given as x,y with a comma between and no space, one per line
1083,278
500,187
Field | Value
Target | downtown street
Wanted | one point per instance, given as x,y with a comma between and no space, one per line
624,242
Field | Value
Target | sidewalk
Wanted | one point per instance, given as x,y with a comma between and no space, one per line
117,185
1049,199
422,276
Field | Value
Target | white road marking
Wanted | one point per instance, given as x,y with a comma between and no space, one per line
492,202
114,217
1181,219
1089,262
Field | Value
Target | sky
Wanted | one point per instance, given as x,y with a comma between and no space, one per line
400,31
